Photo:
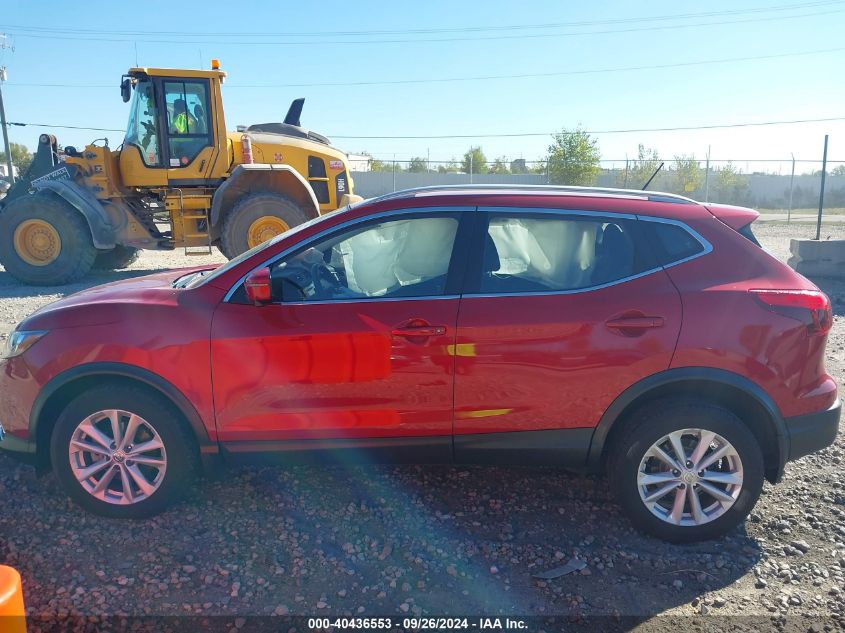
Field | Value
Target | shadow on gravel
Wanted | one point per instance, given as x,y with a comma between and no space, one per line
12,288
372,540
835,289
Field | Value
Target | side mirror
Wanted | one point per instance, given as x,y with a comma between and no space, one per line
258,286
126,90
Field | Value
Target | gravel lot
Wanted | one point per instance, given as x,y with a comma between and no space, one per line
428,540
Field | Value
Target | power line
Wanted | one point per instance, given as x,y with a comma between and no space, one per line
620,131
503,135
217,42
464,29
66,127
561,73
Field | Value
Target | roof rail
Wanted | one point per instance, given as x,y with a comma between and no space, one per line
654,196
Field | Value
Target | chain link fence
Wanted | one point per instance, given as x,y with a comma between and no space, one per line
771,185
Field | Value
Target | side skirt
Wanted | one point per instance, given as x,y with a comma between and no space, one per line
566,448
407,450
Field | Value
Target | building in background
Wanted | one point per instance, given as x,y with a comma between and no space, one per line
359,162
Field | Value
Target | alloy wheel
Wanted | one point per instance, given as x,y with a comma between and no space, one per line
690,477
117,457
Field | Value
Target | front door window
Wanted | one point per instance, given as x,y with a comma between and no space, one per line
187,120
394,258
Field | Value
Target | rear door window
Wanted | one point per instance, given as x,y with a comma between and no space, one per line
526,252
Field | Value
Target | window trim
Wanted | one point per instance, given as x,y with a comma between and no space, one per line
477,247
455,275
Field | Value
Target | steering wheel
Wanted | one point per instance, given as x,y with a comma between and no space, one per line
325,280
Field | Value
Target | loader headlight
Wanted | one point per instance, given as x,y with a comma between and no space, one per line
20,341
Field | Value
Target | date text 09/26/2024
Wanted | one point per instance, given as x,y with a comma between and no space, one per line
418,623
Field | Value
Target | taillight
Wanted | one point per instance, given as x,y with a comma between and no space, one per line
810,306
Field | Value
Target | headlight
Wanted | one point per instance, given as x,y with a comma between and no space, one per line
20,341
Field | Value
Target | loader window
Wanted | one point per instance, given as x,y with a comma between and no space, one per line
142,131
187,120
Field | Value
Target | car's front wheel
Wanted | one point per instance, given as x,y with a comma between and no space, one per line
122,451
685,470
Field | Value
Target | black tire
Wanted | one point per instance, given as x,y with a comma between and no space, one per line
659,419
181,451
233,237
119,257
77,251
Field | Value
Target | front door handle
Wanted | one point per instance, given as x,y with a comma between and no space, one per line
635,323
419,330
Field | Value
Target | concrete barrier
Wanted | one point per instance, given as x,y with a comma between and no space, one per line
822,258
12,615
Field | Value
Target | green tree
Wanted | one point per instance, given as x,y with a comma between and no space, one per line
688,174
418,164
839,170
573,158
539,167
452,167
500,166
384,165
474,161
640,169
379,165
729,185
21,157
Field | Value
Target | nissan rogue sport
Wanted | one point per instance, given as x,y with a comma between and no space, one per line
644,334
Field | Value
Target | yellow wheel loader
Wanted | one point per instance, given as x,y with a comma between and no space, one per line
179,180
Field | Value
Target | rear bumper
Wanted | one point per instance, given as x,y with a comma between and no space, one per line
812,432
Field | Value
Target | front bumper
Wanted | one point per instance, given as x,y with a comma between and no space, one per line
812,432
16,447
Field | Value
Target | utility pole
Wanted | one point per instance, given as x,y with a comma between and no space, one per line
791,182
821,191
707,177
4,44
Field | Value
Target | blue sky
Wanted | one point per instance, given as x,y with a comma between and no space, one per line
784,88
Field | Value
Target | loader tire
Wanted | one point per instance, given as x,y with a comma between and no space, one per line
117,258
44,241
255,216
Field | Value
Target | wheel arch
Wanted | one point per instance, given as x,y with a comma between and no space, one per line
82,201
735,392
246,179
56,393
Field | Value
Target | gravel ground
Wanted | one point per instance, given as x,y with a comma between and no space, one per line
433,540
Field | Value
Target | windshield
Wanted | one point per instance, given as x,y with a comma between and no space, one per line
142,131
256,249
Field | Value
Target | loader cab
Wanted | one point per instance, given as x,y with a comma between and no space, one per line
175,135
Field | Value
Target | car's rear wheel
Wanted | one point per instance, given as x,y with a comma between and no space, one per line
685,470
122,451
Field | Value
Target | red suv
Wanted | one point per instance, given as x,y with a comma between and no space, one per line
646,334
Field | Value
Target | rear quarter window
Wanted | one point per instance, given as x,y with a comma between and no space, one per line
672,242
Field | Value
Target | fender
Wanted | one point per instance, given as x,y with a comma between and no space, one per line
84,201
107,369
251,178
684,374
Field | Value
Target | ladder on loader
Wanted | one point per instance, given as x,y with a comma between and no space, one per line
191,222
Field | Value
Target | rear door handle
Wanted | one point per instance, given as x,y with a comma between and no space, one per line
419,330
635,323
